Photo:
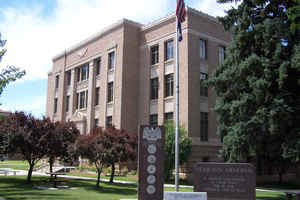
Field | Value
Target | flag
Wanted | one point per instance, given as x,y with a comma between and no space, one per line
180,13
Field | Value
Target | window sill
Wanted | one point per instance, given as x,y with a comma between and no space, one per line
155,65
110,103
111,70
169,98
171,60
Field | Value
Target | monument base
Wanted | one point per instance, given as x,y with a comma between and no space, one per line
185,196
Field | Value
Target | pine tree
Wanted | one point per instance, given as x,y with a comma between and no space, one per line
257,87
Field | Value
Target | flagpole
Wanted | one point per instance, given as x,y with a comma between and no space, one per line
177,112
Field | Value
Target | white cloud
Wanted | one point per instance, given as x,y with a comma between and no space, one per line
213,8
34,39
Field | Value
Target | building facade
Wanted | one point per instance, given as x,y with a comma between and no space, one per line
125,76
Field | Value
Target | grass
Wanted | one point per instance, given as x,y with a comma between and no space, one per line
16,164
89,175
15,187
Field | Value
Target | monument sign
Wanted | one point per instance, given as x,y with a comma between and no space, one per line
224,181
151,163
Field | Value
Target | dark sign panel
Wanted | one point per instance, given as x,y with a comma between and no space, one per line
225,181
151,163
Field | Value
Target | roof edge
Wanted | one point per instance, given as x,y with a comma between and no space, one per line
95,36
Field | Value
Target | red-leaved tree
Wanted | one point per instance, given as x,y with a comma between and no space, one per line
106,147
124,148
60,141
27,137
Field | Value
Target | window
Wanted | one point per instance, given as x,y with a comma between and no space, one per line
84,72
169,50
168,116
96,123
83,99
78,73
169,85
203,126
97,96
203,89
108,121
111,60
56,81
221,54
67,103
68,74
154,55
55,105
154,88
153,120
98,66
110,92
77,100
203,49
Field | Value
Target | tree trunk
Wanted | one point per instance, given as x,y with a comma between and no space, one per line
111,180
51,162
31,165
98,178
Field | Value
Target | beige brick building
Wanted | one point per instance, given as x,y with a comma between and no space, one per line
124,76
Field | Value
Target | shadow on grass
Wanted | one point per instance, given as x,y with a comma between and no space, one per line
109,188
18,189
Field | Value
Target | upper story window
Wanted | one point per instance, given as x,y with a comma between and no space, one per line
111,60
154,88
169,85
203,89
56,81
221,54
83,99
154,55
203,126
110,92
203,49
97,96
98,66
169,50
55,105
68,75
67,103
83,73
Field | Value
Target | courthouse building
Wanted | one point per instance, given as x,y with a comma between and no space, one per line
124,76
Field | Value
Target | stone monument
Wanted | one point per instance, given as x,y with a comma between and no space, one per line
224,181
151,163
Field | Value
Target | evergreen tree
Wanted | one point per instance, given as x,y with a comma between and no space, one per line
257,87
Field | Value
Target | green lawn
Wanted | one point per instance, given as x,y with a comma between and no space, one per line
15,187
16,164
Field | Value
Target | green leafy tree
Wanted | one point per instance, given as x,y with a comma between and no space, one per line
258,87
294,16
9,73
185,148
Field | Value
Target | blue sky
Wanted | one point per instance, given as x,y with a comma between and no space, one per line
36,30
